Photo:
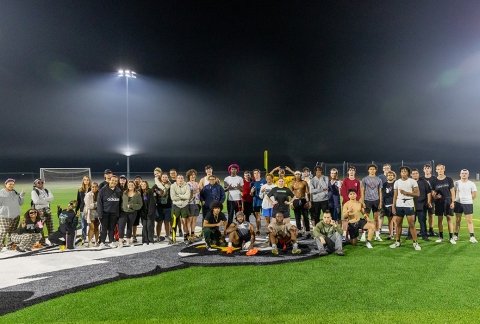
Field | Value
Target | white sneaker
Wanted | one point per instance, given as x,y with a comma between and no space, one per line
120,244
47,242
3,249
439,240
473,239
455,237
369,245
417,246
113,245
102,245
144,244
378,238
362,238
395,245
452,240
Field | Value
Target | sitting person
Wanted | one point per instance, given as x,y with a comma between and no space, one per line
352,213
65,235
29,232
327,236
283,233
241,234
211,225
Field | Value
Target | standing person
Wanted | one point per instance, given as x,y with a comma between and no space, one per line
233,185
122,182
355,218
247,195
131,204
193,204
334,203
422,202
387,196
443,194
427,176
147,213
350,183
164,206
404,190
301,203
157,175
82,191
211,192
371,192
386,169
282,199
319,189
281,175
90,211
204,181
107,174
257,184
29,232
41,198
10,202
138,180
180,194
267,206
108,209
465,193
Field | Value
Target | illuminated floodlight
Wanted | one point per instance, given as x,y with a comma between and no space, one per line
127,74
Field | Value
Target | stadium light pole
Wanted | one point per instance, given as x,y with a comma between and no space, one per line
127,74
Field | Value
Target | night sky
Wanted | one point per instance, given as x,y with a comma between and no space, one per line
221,81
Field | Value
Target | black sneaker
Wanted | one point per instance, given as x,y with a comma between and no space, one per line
431,233
425,238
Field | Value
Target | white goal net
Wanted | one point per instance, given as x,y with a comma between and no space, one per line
67,176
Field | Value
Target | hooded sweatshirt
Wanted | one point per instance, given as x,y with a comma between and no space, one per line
10,202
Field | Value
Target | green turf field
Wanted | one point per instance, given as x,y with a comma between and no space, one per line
437,284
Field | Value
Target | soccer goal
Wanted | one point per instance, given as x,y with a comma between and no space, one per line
66,176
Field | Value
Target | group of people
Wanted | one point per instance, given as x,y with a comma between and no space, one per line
337,210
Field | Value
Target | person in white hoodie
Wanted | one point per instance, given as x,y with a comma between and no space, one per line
41,199
10,202
180,193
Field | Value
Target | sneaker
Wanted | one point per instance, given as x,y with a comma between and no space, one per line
340,253
47,242
120,244
389,238
252,252
395,245
378,238
369,245
101,245
452,240
431,233
455,237
321,253
275,251
363,238
417,246
145,244
439,240
3,249
473,239
90,244
113,245
296,251
425,238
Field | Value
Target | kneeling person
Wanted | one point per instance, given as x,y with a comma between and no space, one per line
211,225
240,234
65,235
284,233
352,213
327,236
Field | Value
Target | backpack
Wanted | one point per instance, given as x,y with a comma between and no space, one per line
38,193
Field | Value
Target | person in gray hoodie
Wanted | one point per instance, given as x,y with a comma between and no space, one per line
10,202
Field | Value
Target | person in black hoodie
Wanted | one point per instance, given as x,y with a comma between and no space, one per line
108,209
29,232
65,235
147,213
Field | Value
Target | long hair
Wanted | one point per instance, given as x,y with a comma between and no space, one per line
85,188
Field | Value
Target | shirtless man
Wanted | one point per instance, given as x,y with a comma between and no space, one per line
301,203
355,218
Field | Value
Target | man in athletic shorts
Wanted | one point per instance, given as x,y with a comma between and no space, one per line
233,185
422,202
466,192
257,184
282,198
355,218
301,203
443,194
427,176
241,234
319,190
371,193
282,233
404,190
267,206
387,196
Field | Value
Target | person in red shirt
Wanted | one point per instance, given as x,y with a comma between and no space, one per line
350,183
